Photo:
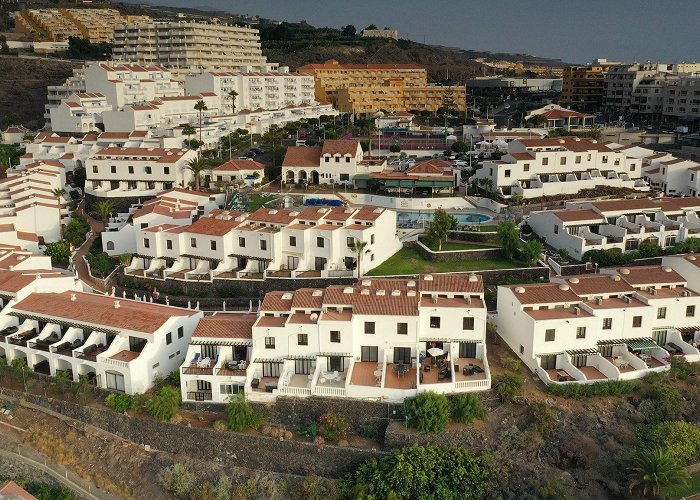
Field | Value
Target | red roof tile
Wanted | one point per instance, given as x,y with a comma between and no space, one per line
302,156
226,326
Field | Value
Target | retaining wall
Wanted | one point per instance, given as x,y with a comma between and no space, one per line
475,236
452,255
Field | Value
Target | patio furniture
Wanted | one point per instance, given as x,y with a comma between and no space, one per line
442,374
270,386
426,368
204,363
255,383
9,330
456,368
477,369
674,346
468,370
195,360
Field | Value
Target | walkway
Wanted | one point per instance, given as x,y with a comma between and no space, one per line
79,264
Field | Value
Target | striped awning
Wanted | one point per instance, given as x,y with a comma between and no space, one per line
222,342
336,354
642,344
144,256
685,329
576,352
268,360
311,358
612,342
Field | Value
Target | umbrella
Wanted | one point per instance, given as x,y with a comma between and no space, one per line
435,351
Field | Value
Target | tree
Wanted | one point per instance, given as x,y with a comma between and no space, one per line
536,121
652,470
196,166
459,147
508,237
349,30
429,412
358,248
371,27
59,193
395,148
272,137
59,251
201,107
104,209
188,131
240,415
648,249
466,408
531,251
680,439
232,97
165,404
440,226
448,101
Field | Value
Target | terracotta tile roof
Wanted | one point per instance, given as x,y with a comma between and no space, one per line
678,204
451,302
307,298
339,214
327,227
277,301
238,165
226,326
556,114
25,236
614,303
666,293
368,213
331,315
458,283
522,156
598,284
303,319
313,213
212,226
545,293
159,155
340,147
578,215
99,310
12,491
434,167
621,205
14,281
357,227
271,321
302,156
273,215
650,275
569,143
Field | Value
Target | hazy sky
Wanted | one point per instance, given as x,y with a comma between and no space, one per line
573,30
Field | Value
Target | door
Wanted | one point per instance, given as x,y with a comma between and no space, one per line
271,369
369,354
336,364
579,360
303,366
402,355
467,349
115,381
606,351
320,263
548,362
659,337
349,263
292,262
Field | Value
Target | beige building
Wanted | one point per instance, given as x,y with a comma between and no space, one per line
394,88
385,33
188,48
622,81
583,86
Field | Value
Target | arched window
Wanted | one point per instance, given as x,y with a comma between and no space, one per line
110,245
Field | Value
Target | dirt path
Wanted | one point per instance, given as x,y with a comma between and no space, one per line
78,262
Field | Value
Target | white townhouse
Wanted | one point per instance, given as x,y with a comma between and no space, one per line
174,207
119,344
267,88
338,161
136,171
80,113
379,339
689,267
565,165
311,242
240,172
563,118
621,224
619,325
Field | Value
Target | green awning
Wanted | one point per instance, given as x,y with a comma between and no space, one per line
641,344
362,177
399,183
434,183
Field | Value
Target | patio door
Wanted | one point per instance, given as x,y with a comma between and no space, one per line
579,360
467,349
606,350
548,362
369,354
336,364
402,355
292,262
303,366
659,337
320,264
210,351
115,381
271,369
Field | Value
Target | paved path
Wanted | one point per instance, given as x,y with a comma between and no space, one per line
78,262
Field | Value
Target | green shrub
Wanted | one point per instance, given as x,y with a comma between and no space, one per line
682,370
466,408
59,251
240,415
165,404
511,364
680,439
544,420
308,430
429,412
662,403
607,388
119,402
139,402
333,426
508,385
178,480
317,488
369,431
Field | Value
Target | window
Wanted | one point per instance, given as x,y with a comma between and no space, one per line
302,339
562,160
94,169
169,244
115,381
269,342
369,354
689,311
337,159
522,349
371,239
263,244
369,327
328,159
435,322
292,241
467,323
661,313
507,173
212,244
526,167
146,243
193,242
335,336
131,169
605,159
637,322
241,242
344,177
319,242
545,161
578,159
168,338
581,332
149,170
113,169
607,323
549,335
347,159
180,332
556,228
166,170
350,241
402,328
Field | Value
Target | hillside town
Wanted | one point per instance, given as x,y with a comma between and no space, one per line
233,262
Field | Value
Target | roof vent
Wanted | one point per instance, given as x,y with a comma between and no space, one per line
577,311
615,277
667,269
624,271
366,282
686,293
691,257
364,291
317,293
411,293
117,305
287,296
627,298
381,292
313,317
563,286
519,289
428,277
473,278
599,301
573,280
272,212
652,291
411,284
395,293
73,297
347,289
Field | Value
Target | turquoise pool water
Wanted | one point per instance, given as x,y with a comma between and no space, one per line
462,218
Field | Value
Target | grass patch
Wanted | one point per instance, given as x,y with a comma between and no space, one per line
692,489
455,245
409,261
256,201
485,229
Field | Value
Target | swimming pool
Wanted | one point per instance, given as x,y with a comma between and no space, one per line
462,218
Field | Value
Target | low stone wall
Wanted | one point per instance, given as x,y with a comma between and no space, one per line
398,436
451,255
17,469
475,236
249,451
523,274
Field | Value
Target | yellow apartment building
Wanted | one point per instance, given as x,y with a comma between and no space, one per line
583,87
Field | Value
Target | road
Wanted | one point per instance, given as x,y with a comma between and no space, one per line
79,265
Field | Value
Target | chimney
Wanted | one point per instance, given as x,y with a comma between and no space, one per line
117,305
73,297
577,311
599,301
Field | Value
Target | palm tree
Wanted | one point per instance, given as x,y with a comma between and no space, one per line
508,237
196,166
358,247
273,136
125,259
188,130
232,96
653,470
201,107
59,193
104,209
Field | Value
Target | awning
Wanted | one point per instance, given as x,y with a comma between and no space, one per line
250,257
577,352
268,360
222,342
641,344
310,358
688,329
62,321
190,256
144,256
336,354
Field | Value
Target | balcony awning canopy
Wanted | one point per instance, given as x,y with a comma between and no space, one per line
309,357
268,360
222,342
336,354
641,344
63,322
576,352
144,256
685,329
250,257
191,256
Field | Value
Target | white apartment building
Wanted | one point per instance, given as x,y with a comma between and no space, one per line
647,98
620,83
119,344
174,207
237,172
264,89
288,243
566,165
187,48
617,224
681,96
379,33
336,162
382,339
589,328
81,112
137,171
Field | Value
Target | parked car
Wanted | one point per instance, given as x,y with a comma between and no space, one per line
257,151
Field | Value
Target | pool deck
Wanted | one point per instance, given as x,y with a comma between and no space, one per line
451,211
